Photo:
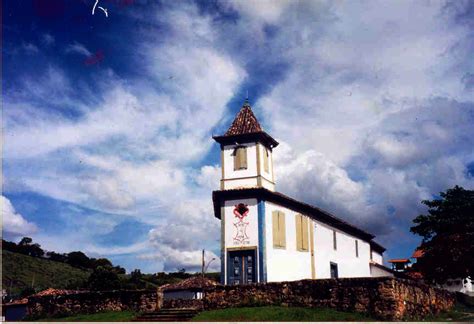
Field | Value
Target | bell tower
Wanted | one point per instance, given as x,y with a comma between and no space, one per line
246,153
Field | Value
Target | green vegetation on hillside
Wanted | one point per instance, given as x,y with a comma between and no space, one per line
21,271
24,275
278,314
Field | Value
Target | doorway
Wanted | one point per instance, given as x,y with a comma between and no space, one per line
241,267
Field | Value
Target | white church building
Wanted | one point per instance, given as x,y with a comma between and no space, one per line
267,236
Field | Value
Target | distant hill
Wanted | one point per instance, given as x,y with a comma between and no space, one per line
21,271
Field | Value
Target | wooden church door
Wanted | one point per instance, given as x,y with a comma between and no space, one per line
241,267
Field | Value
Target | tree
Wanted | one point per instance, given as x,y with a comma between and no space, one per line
26,247
78,259
59,257
103,278
35,250
448,236
25,241
136,276
10,246
119,270
103,262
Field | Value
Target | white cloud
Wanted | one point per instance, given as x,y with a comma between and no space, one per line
265,10
47,39
209,177
30,48
314,178
78,48
13,222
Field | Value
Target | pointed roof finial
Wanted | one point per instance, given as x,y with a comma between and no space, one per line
246,102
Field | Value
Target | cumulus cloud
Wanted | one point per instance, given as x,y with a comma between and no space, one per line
181,237
14,223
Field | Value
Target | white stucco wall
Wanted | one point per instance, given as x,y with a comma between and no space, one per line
233,178
251,229
349,265
377,257
251,171
289,263
267,175
378,272
240,183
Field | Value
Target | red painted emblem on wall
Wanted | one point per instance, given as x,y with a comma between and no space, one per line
240,212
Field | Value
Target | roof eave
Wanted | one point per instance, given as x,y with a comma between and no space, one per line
377,247
262,137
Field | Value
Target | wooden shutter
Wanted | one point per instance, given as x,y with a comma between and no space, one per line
243,157
265,159
240,158
236,159
304,229
282,229
299,245
275,225
301,224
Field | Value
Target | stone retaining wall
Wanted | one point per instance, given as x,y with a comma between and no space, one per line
384,298
183,303
91,302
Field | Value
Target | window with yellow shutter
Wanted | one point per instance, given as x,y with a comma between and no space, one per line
265,160
240,158
301,223
279,229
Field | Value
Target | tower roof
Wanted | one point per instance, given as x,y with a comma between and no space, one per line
244,123
244,128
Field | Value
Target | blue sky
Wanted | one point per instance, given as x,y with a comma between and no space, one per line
108,120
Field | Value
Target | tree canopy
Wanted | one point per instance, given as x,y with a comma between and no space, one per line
448,236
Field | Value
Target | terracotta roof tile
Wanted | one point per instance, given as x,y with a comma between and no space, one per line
244,123
23,301
399,261
417,254
53,291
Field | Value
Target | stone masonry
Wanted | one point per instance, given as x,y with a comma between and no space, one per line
91,302
384,298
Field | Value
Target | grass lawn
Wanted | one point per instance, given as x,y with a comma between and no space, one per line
278,314
124,316
460,313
